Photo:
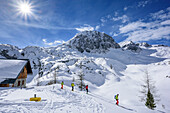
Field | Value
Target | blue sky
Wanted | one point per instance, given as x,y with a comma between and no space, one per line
53,22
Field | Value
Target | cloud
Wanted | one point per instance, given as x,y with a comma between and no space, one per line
156,29
125,8
97,27
149,34
115,17
108,16
86,27
56,42
113,34
133,26
111,23
38,25
116,13
143,3
162,14
166,22
123,18
103,20
138,5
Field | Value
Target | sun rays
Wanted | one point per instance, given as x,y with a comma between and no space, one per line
25,9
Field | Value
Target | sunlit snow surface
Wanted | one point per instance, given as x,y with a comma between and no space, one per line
124,78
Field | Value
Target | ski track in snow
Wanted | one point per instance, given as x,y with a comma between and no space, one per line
110,101
56,101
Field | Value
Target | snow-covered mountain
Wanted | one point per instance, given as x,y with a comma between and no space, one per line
9,51
108,68
129,45
96,53
92,41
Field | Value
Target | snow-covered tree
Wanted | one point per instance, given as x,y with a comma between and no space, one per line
55,75
73,80
150,103
149,92
80,80
111,66
39,72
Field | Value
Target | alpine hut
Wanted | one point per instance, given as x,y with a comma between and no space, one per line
13,72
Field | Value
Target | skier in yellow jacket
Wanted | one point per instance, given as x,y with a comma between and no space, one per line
117,99
72,85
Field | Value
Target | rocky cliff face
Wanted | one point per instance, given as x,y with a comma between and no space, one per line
92,41
131,46
9,51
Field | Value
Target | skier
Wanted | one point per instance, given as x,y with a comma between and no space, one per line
87,88
117,100
62,83
72,85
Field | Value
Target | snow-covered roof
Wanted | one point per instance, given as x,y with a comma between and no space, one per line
10,68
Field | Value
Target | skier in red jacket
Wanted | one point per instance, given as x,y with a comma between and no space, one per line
87,88
62,83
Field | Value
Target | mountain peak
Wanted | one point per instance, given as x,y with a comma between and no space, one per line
92,41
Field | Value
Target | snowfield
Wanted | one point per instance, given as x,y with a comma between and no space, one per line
53,100
99,100
108,71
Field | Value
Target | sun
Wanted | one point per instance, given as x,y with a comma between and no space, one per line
25,9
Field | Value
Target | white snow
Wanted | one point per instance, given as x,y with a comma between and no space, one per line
162,52
114,72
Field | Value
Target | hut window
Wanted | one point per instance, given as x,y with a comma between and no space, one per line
22,82
18,83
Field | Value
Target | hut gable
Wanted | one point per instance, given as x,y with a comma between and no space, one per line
14,72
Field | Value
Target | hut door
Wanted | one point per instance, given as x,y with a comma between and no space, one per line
18,83
22,82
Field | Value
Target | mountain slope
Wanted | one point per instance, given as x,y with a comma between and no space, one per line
108,70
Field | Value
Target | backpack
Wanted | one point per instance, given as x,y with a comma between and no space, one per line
115,97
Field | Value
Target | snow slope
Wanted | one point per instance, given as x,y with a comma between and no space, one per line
100,99
107,72
57,100
63,101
